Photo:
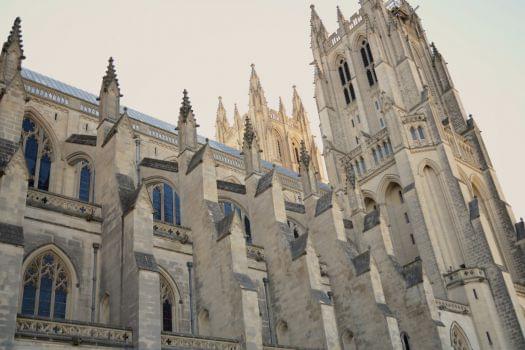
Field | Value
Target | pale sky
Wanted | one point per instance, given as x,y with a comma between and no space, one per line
161,47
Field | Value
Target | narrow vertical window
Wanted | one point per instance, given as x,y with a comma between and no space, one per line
413,134
168,204
421,133
346,82
368,63
157,204
84,187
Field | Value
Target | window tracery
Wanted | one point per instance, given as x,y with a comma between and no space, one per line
38,153
46,286
166,204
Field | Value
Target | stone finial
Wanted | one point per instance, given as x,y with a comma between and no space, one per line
12,54
349,171
185,108
304,156
249,133
111,75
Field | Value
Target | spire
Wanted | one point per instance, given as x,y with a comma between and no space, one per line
221,112
308,179
257,98
109,97
340,17
298,107
317,27
249,133
12,53
304,157
250,149
187,126
282,109
111,76
185,108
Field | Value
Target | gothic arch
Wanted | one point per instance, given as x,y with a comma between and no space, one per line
430,163
34,114
68,272
232,179
384,184
153,180
170,297
77,156
458,338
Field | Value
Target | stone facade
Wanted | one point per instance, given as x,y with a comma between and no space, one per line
118,230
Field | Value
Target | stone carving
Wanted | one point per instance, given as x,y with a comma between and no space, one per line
186,341
63,204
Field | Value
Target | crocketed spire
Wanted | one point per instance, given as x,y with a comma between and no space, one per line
249,133
111,75
185,108
15,36
305,156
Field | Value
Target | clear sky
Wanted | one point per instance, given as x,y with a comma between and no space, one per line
207,46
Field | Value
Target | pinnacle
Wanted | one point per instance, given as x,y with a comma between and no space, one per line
15,35
185,108
111,74
304,156
249,133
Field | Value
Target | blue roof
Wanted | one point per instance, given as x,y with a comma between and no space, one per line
134,114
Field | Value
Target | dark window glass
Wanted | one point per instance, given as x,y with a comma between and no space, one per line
177,210
370,77
85,183
347,96
168,204
363,56
28,301
44,303
342,76
421,133
31,154
28,125
167,322
347,71
60,304
45,170
157,204
227,208
247,230
352,91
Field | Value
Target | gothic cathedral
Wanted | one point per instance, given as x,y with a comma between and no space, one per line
119,230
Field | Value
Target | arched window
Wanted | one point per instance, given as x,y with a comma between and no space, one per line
374,154
85,189
368,63
166,204
296,151
229,207
346,82
38,153
405,341
46,287
167,304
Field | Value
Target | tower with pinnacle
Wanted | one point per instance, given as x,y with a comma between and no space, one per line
280,134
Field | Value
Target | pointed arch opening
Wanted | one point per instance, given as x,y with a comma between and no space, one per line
170,301
38,152
228,206
48,282
166,202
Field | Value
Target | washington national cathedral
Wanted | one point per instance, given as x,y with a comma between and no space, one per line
122,231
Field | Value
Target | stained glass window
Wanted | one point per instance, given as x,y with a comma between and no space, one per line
46,283
38,154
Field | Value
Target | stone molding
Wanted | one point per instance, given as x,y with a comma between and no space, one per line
72,332
63,204
186,341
